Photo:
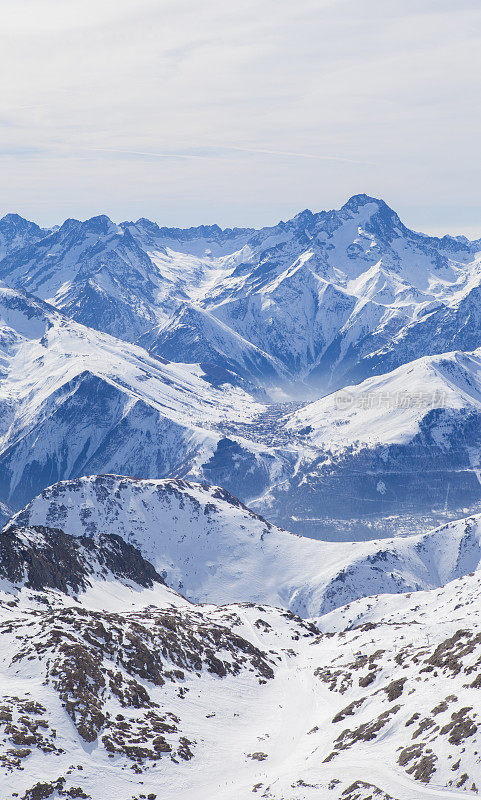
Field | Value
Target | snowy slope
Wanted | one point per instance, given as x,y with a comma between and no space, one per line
72,397
404,443
110,704
198,335
390,408
202,541
377,700
212,549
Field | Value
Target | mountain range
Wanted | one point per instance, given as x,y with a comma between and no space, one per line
272,320
320,301
240,484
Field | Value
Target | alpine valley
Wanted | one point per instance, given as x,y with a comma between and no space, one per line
240,485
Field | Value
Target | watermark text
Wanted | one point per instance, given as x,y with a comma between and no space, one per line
345,399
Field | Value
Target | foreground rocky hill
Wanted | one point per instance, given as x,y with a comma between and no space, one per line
378,699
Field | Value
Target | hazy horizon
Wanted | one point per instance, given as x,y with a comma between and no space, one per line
241,114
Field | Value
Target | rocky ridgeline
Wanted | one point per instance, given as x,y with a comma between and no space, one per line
47,558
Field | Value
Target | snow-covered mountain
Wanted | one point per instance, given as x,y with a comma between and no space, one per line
162,639
17,232
201,539
95,272
325,291
400,445
200,336
325,298
211,548
404,443
75,401
249,316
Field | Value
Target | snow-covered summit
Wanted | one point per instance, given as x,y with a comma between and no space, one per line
17,232
95,272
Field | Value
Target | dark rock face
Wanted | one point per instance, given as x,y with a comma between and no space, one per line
47,558
237,469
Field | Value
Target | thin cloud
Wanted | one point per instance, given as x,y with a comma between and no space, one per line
240,113
229,148
145,153
316,156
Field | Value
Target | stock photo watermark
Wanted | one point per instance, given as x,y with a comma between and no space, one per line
345,399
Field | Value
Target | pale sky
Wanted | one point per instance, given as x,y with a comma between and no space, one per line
240,113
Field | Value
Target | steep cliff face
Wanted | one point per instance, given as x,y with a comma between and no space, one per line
47,558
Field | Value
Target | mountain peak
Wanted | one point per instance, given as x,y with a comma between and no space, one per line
382,219
17,222
357,201
304,217
99,224
17,232
13,218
